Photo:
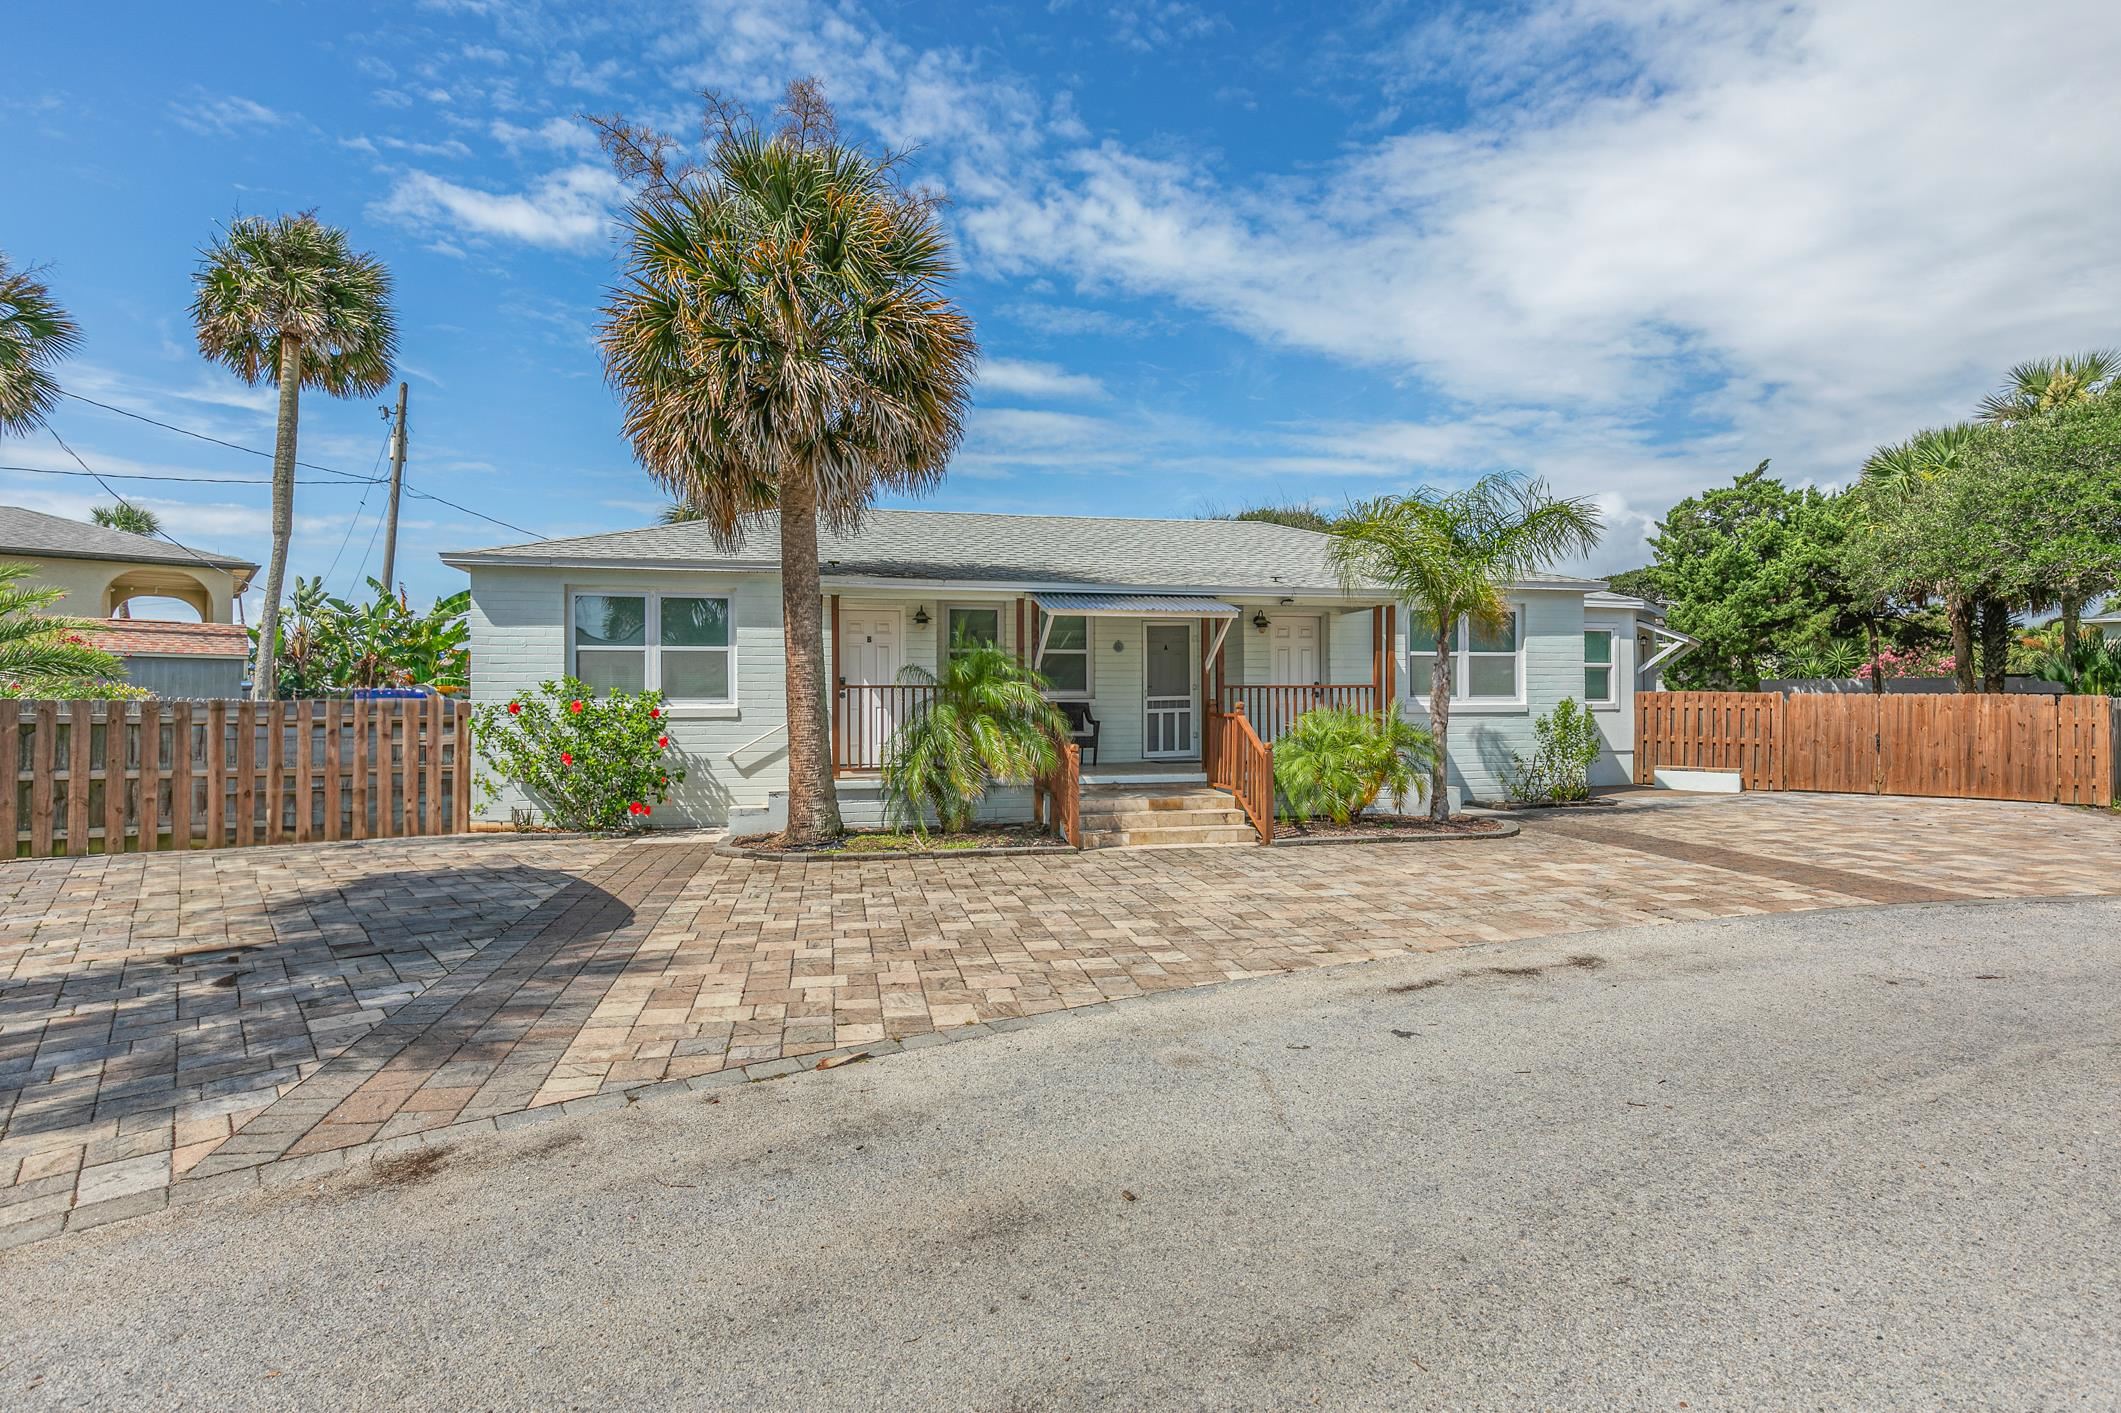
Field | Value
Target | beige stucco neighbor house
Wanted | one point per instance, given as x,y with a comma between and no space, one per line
101,569
1141,626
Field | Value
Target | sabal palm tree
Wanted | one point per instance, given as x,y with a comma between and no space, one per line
2043,384
288,301
35,333
1454,555
781,340
133,519
37,645
1934,452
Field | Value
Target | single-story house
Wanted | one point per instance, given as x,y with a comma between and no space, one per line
178,660
1140,625
101,569
2107,621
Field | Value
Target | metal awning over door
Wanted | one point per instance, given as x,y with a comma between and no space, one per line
1135,605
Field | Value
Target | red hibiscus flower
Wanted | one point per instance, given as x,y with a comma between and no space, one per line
515,708
574,706
663,741
655,713
566,758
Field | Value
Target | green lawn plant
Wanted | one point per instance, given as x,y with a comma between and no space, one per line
1565,746
588,762
1336,761
989,724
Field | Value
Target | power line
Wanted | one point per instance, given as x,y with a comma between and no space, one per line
188,432
113,492
253,451
191,480
366,491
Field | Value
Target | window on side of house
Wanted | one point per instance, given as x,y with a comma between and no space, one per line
1486,662
678,644
972,626
1066,664
1598,666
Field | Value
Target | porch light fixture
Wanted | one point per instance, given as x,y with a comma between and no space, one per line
920,616
1259,620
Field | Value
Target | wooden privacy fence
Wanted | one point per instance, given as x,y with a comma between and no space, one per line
1986,746
107,777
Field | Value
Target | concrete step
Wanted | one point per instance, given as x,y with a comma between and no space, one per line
1096,818
1219,834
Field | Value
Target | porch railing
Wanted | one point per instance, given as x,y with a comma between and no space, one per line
1238,761
1274,706
865,717
1057,798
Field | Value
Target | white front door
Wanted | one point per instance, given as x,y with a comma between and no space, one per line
1167,691
1296,659
869,663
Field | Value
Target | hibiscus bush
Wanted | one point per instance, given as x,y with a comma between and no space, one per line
589,762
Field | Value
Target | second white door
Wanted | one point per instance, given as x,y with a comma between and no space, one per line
1296,659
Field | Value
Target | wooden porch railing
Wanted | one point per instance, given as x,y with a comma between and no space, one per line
109,777
1057,799
1238,761
1274,706
865,717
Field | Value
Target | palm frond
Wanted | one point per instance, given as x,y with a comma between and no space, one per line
35,333
293,277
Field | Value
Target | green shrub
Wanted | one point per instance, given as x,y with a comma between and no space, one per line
2091,668
989,723
1336,761
73,689
1565,747
591,763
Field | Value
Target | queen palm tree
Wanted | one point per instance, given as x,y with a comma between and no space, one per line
2043,384
34,334
35,644
1454,555
288,301
781,340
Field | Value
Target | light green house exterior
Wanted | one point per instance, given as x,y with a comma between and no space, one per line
1144,624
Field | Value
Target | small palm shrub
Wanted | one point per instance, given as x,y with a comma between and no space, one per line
1565,745
2091,668
41,653
1336,761
591,763
989,724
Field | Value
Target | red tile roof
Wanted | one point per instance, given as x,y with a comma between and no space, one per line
146,637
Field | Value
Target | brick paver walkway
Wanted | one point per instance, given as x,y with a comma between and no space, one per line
172,1024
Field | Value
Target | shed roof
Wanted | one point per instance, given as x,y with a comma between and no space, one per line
148,637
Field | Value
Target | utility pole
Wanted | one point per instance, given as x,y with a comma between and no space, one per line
397,482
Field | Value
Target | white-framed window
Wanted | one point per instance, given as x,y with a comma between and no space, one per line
682,645
1487,659
1067,664
968,625
1598,667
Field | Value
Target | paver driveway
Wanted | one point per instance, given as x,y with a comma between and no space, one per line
173,1025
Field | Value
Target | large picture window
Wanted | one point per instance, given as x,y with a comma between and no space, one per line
1487,659
1598,666
1066,663
678,644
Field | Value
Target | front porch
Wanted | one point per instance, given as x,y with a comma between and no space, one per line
1150,676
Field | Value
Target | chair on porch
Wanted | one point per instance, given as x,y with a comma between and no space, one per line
1082,727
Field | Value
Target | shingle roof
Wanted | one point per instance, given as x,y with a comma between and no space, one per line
955,546
54,537
146,637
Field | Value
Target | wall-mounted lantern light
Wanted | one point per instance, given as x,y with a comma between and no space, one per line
920,617
1259,620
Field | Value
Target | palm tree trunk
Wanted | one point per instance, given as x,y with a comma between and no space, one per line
1995,643
1440,725
1870,633
265,677
813,802
1960,610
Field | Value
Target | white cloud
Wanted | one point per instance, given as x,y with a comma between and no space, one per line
560,134
1025,378
224,116
566,210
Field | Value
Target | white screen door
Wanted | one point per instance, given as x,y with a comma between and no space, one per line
1167,698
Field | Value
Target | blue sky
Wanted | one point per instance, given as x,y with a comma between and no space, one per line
1216,254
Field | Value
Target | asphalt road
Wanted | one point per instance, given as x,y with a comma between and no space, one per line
1857,1159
